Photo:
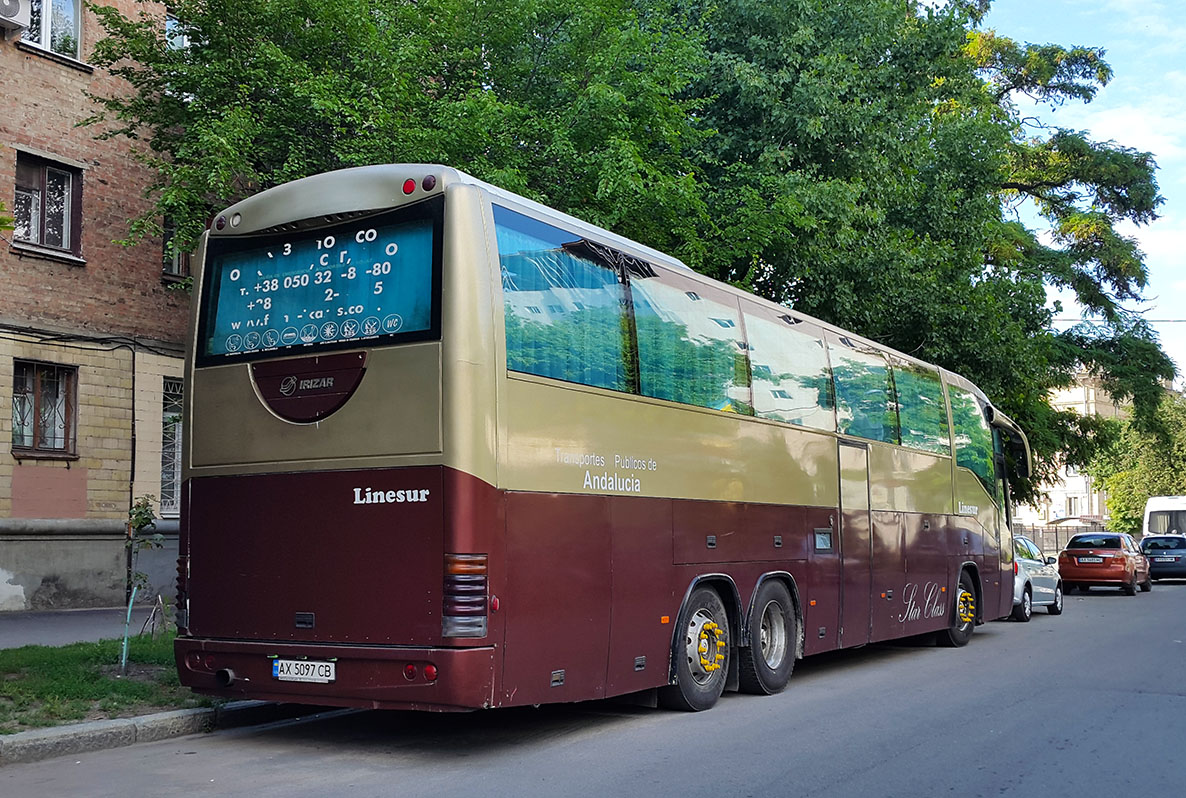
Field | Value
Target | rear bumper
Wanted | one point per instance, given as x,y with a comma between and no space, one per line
1162,570
369,677
1086,575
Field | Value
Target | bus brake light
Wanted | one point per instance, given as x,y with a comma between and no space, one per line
464,600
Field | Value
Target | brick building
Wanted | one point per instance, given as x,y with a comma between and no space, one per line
90,334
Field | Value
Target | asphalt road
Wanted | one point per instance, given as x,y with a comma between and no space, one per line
1090,703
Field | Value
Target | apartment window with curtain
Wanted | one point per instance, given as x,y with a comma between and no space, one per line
48,204
171,448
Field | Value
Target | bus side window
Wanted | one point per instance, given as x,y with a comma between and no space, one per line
691,345
865,405
565,314
921,409
791,377
973,438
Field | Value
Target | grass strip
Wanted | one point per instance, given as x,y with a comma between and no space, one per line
54,685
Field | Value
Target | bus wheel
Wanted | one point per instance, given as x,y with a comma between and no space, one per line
963,617
773,633
701,653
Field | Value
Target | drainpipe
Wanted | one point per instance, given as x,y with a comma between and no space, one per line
129,543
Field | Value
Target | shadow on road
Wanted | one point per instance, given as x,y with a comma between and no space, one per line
457,736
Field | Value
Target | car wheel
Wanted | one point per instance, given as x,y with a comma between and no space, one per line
1056,607
1147,585
1025,610
1130,589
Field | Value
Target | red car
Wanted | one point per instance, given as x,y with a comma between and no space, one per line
1099,559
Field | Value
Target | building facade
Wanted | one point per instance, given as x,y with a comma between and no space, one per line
1074,498
91,331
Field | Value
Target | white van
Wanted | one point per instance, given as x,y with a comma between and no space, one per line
1165,515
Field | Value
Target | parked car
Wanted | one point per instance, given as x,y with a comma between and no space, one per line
1166,555
1104,559
1036,582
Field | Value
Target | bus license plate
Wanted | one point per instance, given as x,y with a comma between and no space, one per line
1091,559
304,670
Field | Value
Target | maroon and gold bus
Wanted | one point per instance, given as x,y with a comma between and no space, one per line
446,448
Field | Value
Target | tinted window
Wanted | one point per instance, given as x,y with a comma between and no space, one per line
922,413
1167,521
565,311
1027,548
1094,542
973,437
690,343
791,378
865,404
1163,544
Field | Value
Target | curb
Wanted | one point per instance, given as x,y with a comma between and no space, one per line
99,735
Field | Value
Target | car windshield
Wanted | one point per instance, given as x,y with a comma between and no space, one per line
1094,542
1162,544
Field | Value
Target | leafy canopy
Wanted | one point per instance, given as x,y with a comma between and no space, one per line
862,160
1139,463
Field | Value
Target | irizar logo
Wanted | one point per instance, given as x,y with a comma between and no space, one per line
368,496
291,385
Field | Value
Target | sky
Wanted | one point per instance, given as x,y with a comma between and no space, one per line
1141,108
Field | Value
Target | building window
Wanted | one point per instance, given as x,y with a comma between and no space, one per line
43,402
171,448
1072,506
56,28
176,35
173,264
48,203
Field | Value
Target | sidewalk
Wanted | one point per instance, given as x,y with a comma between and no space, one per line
60,627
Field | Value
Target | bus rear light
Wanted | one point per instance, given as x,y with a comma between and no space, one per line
464,601
409,671
409,186
1015,567
429,182
430,672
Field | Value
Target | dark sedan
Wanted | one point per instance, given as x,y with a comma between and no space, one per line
1166,555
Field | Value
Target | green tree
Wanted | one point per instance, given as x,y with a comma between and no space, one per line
1139,463
865,167
861,160
6,222
572,104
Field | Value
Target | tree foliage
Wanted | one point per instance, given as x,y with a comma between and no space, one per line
1139,463
861,160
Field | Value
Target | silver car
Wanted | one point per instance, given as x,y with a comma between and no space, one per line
1036,582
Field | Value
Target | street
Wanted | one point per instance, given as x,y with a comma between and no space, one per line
1090,703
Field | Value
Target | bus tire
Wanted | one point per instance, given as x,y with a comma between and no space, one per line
963,615
701,653
766,664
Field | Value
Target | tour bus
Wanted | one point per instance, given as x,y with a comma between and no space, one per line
446,448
